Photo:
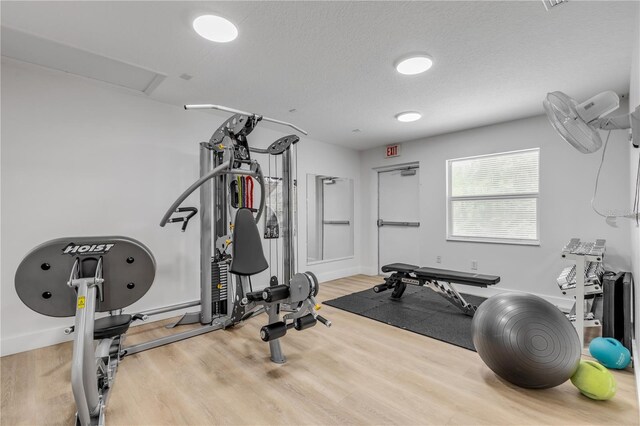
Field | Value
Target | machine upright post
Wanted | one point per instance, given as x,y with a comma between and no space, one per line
579,323
206,194
274,345
84,381
287,217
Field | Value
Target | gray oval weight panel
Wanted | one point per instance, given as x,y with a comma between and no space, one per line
128,269
281,145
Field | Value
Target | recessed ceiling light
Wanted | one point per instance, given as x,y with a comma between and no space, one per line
215,28
408,116
414,64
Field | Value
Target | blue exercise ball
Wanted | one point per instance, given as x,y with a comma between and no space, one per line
526,340
610,352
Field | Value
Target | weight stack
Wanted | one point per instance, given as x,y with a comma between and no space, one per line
219,278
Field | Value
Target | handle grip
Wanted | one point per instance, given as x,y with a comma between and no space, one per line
323,320
185,219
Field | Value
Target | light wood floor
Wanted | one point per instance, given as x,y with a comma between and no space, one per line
357,372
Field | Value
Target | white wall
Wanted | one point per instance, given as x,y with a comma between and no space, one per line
634,158
566,185
83,158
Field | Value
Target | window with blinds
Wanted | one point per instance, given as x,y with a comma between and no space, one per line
494,198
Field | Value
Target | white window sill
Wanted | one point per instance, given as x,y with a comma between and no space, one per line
494,241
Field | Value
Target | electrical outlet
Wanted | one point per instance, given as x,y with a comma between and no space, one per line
474,265
438,259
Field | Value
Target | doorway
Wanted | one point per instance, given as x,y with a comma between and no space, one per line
399,216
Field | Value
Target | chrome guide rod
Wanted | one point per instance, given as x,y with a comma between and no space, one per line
170,308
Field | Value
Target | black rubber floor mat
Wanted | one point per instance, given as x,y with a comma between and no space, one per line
420,310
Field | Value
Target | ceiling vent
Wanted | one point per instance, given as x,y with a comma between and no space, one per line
47,53
548,4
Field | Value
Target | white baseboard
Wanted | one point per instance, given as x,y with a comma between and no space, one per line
369,270
334,275
55,335
38,339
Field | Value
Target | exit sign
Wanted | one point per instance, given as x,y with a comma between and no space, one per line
392,151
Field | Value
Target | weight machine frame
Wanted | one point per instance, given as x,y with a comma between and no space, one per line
214,200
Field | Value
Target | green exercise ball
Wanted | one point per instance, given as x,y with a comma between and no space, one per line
594,380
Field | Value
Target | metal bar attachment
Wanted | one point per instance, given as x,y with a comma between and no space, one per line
237,111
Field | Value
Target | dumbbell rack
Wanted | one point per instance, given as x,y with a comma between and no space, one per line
581,253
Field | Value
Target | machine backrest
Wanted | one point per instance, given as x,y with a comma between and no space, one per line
128,270
248,257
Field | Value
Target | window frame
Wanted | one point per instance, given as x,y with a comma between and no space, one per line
450,198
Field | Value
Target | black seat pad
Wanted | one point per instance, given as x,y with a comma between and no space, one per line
248,257
111,326
399,267
466,278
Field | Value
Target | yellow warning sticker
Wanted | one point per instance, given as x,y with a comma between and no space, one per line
81,301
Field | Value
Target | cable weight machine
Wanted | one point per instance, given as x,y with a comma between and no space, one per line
231,247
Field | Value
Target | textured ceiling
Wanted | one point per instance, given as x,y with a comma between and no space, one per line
333,61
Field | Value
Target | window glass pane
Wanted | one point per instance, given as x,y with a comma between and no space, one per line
513,218
513,173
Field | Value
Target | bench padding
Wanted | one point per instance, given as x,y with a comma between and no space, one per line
467,278
399,267
478,280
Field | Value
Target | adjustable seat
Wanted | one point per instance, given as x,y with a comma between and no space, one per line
111,326
466,278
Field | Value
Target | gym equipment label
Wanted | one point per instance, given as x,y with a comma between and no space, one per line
87,249
81,302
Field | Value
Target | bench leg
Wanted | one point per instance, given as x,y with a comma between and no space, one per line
449,292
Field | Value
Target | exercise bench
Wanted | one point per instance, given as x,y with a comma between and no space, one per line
440,281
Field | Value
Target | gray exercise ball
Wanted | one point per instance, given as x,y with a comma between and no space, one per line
526,340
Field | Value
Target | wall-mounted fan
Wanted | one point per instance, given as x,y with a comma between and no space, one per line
578,124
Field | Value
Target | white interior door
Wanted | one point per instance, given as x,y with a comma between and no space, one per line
337,240
398,217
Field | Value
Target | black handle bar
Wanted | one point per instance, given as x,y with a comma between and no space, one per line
192,212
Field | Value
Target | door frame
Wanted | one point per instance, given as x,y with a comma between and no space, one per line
386,169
